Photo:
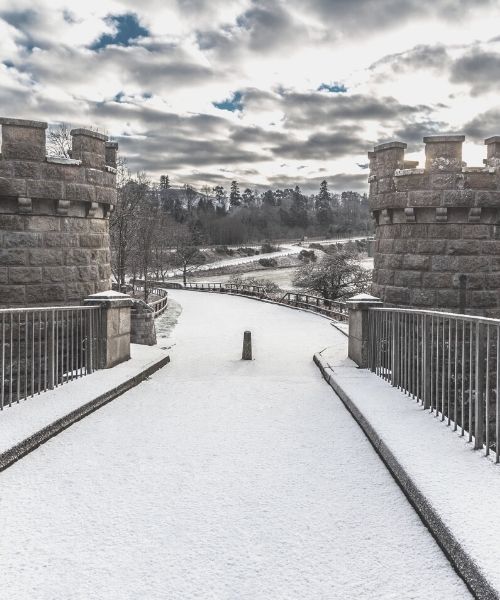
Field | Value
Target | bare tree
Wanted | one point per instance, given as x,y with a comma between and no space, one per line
124,233
188,255
337,276
59,141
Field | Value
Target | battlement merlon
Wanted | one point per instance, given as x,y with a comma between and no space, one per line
443,153
443,156
386,158
89,147
27,174
111,152
23,139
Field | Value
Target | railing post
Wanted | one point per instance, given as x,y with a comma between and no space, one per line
114,334
427,347
395,350
359,337
479,395
51,350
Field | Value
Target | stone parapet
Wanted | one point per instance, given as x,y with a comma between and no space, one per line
54,227
437,226
114,337
143,330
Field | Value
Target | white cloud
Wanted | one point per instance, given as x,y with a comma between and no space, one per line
410,68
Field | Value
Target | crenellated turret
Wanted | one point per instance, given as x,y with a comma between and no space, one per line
54,226
436,223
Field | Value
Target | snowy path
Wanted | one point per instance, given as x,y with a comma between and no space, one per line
218,479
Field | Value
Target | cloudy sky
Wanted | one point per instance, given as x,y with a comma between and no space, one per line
269,92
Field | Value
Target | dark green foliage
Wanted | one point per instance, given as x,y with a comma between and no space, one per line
307,256
268,262
267,247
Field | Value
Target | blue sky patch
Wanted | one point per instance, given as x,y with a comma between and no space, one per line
334,88
232,104
127,30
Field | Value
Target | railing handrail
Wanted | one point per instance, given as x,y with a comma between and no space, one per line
44,347
436,313
46,308
330,301
159,305
325,306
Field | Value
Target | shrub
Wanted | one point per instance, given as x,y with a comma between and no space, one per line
224,250
268,262
267,247
248,251
316,246
307,256
270,287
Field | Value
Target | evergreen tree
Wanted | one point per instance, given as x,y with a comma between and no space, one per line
220,200
268,198
298,210
324,213
164,182
235,196
248,197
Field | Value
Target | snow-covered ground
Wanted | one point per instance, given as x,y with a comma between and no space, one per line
218,479
285,250
282,277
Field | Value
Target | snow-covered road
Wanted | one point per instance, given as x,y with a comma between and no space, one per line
218,479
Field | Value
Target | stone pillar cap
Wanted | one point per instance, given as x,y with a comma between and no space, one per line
492,140
389,145
23,123
110,298
112,145
431,139
364,298
90,133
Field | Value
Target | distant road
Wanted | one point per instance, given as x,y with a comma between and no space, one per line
287,249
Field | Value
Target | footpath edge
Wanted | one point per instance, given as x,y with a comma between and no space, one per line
21,449
461,561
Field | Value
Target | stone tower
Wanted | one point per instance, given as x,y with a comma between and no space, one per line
437,242
54,216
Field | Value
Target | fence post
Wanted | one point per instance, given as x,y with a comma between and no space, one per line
427,347
395,350
359,337
51,350
479,395
114,334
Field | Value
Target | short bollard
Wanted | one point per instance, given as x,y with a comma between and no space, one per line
247,346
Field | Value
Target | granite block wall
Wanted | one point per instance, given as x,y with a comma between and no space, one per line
437,241
54,216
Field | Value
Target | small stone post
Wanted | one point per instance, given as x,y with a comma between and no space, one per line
358,327
115,327
247,346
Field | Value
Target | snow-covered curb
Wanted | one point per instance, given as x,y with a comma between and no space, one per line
25,427
442,462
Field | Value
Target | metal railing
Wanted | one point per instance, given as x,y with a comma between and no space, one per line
160,305
43,348
229,288
449,363
332,308
157,306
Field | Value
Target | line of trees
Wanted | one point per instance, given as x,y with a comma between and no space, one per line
240,217
155,227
